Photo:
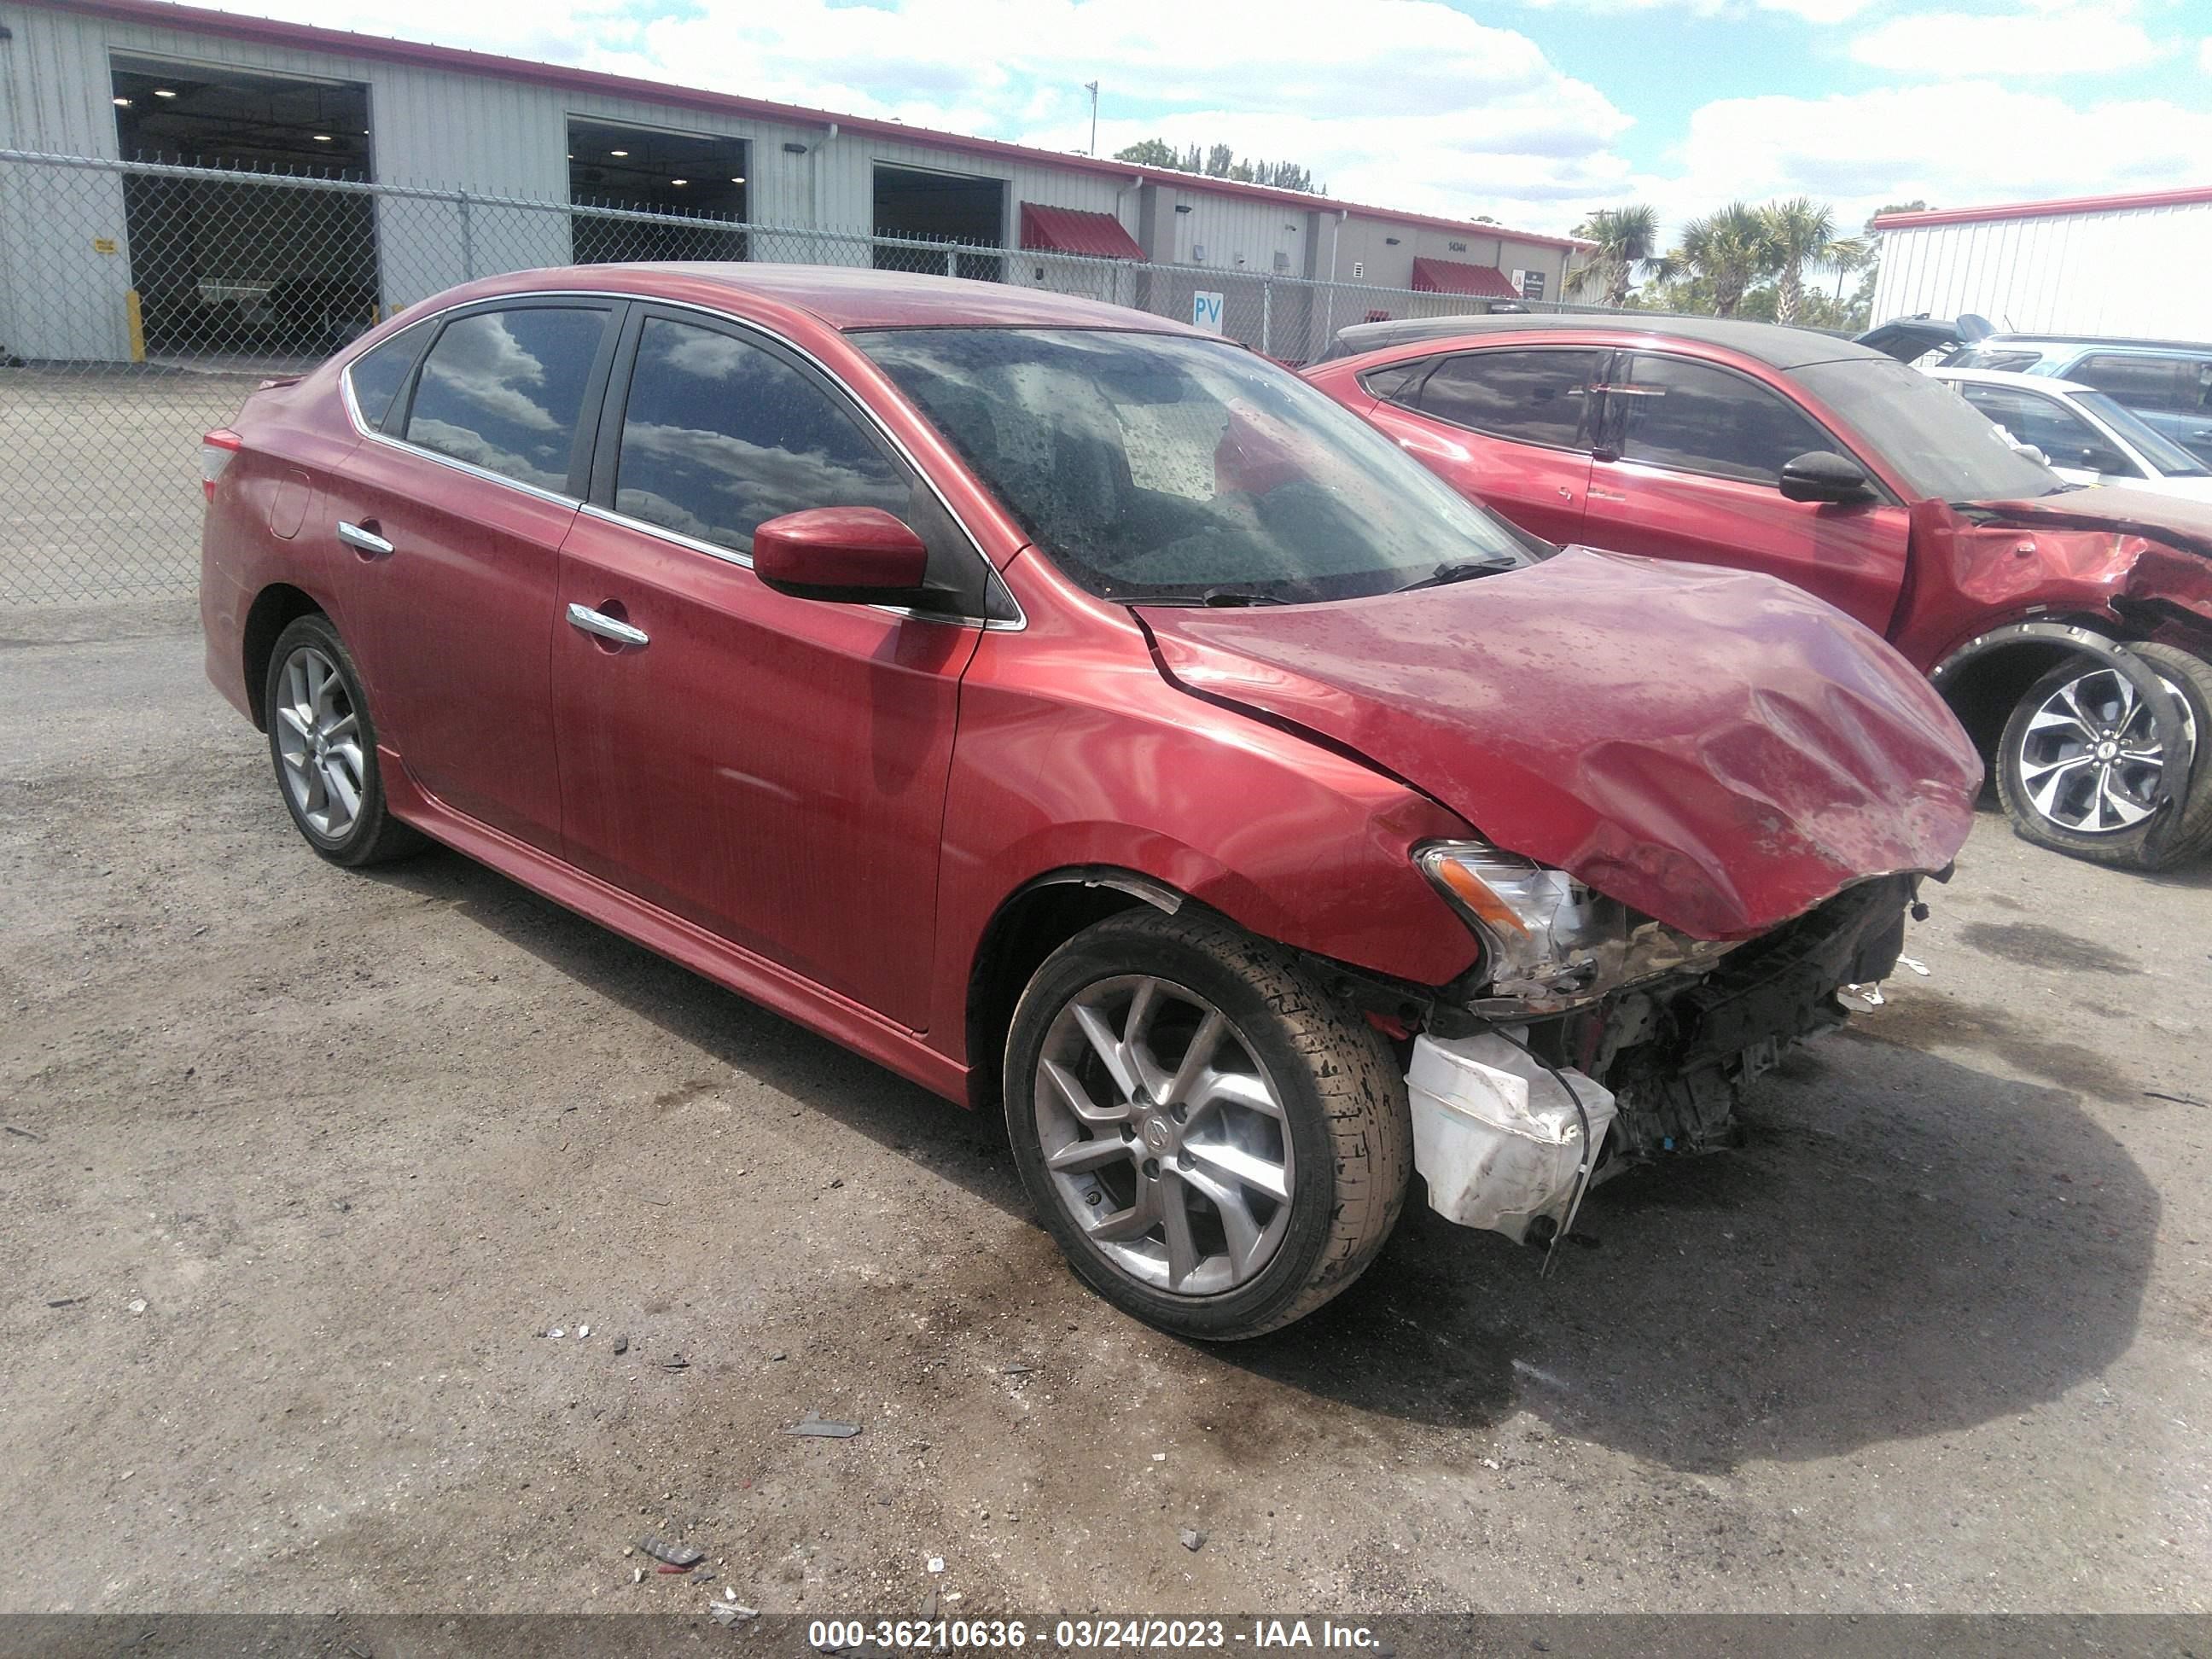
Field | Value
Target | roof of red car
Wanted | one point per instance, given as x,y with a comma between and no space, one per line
1766,343
849,296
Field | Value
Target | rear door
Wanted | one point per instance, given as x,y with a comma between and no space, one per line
2174,393
449,520
1509,427
1700,450
770,768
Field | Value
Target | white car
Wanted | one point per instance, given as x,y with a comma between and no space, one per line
2085,436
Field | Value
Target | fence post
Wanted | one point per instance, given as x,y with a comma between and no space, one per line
468,242
951,263
1267,316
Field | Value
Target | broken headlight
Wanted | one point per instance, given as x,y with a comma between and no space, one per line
1549,940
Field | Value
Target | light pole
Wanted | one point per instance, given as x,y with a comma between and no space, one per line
1092,86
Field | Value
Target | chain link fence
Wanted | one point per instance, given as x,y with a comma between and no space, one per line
140,303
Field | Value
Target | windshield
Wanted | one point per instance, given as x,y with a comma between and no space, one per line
1937,442
1156,467
2167,458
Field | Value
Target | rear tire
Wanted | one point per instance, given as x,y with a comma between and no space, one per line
1261,1157
2079,757
322,742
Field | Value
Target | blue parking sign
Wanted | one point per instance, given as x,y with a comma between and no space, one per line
1205,312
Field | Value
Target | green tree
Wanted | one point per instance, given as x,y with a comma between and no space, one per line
1727,250
1221,161
1627,241
1151,153
1801,232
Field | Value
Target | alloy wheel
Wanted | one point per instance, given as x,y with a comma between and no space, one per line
2089,758
1163,1135
318,740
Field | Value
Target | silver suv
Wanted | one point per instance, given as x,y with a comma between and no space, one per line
2167,382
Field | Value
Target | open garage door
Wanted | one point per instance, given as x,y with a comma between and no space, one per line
941,207
277,265
639,180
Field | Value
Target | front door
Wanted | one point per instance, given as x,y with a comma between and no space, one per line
1509,427
449,525
770,768
1699,453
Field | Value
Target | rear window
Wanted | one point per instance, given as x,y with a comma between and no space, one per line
503,391
376,376
2139,382
2014,361
1537,396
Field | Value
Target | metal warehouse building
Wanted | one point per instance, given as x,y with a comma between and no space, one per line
2096,265
406,167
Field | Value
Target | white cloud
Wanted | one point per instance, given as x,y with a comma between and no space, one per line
2045,40
2204,54
1812,11
1956,145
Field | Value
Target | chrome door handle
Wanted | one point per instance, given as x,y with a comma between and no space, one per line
583,616
365,541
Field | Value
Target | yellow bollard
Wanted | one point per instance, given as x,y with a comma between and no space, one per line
136,319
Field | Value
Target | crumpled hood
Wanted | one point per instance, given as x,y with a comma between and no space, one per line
2183,521
1718,750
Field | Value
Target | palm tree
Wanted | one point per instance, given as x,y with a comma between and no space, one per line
1730,248
1627,240
1802,232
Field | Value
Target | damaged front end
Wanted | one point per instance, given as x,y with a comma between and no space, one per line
1589,1038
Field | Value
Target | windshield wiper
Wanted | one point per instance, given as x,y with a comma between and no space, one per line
1223,596
1459,570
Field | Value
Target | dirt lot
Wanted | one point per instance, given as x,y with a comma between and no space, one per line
312,1160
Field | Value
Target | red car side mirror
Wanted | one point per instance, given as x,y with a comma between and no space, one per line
850,555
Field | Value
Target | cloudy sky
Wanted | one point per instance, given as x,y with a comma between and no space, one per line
1531,111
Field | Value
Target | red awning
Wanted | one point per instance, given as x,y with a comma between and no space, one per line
1450,276
1069,230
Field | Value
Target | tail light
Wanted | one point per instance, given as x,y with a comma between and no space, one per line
215,450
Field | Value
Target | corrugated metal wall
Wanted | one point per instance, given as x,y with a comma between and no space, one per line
2133,271
442,129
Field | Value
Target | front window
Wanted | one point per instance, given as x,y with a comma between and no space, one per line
1929,437
1154,467
2167,457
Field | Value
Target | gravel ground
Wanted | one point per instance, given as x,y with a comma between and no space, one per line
301,1166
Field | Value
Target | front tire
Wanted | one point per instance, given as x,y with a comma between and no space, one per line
2080,763
1217,1146
322,742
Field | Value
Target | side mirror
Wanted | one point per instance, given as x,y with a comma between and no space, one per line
848,555
1821,475
2106,461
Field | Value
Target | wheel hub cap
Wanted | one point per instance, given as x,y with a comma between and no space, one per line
319,744
2089,758
1163,1136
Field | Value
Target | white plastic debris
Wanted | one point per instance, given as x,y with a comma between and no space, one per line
1914,963
583,1330
937,1564
556,1331
1497,1137
137,1304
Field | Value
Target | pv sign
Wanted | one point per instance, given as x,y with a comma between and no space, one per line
1205,312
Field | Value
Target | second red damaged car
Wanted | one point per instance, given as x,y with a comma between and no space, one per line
2070,629
1085,717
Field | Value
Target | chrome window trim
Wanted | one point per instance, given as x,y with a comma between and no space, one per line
993,578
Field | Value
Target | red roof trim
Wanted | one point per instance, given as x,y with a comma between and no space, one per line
1071,230
2149,198
1456,276
164,14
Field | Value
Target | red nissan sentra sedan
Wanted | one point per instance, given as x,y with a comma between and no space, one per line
1078,714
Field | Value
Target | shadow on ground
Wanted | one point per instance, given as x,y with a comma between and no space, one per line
1908,1247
